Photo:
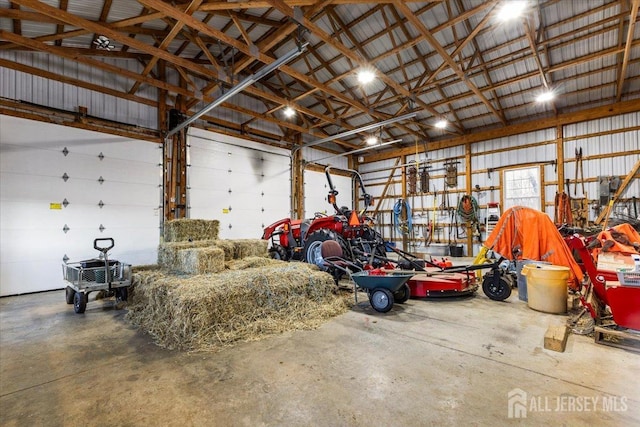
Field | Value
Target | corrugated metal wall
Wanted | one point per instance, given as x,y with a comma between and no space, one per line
55,94
610,147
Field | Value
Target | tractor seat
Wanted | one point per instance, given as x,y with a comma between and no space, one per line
331,249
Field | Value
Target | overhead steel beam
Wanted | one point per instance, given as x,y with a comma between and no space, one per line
241,86
359,150
362,129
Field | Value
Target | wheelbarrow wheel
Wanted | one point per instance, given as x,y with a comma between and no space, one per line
497,290
402,295
381,300
69,294
79,302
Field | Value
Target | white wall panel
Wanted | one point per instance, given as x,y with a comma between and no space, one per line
32,166
51,93
258,177
316,190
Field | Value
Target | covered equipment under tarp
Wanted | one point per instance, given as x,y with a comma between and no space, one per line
622,238
534,236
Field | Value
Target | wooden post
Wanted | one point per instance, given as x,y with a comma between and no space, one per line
469,190
175,170
297,180
403,216
560,157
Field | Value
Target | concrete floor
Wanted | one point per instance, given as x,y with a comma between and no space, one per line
443,362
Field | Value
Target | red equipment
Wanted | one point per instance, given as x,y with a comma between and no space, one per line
438,283
622,300
296,239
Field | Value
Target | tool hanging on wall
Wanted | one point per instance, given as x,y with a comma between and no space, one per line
412,179
579,206
424,179
451,173
578,168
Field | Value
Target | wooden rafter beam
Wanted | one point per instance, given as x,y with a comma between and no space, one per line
272,39
515,129
193,6
260,56
256,4
106,7
17,23
530,32
457,124
402,7
627,48
477,55
60,27
349,53
472,35
114,35
64,53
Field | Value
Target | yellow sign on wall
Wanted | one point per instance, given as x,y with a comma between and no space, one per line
56,206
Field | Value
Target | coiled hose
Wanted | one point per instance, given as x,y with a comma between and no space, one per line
403,227
468,208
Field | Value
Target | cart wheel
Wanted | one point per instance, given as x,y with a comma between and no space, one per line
122,294
79,302
497,290
402,295
381,300
69,293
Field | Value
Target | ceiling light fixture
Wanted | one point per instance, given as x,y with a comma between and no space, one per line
289,112
511,9
545,96
372,140
102,42
441,124
366,76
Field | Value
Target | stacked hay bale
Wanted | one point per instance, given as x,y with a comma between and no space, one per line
191,246
208,292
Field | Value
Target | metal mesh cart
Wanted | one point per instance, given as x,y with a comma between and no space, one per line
98,274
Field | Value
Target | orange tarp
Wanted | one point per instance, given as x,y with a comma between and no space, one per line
536,237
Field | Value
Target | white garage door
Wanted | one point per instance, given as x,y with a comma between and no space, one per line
233,181
316,190
55,204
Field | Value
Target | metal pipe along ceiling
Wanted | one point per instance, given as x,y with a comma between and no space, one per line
240,86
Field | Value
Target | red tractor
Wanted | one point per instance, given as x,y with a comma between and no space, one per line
301,239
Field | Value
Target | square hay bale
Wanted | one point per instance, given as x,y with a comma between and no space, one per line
201,260
185,229
242,248
168,252
209,311
250,262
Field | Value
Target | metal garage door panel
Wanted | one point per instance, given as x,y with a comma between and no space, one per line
32,165
258,180
316,190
